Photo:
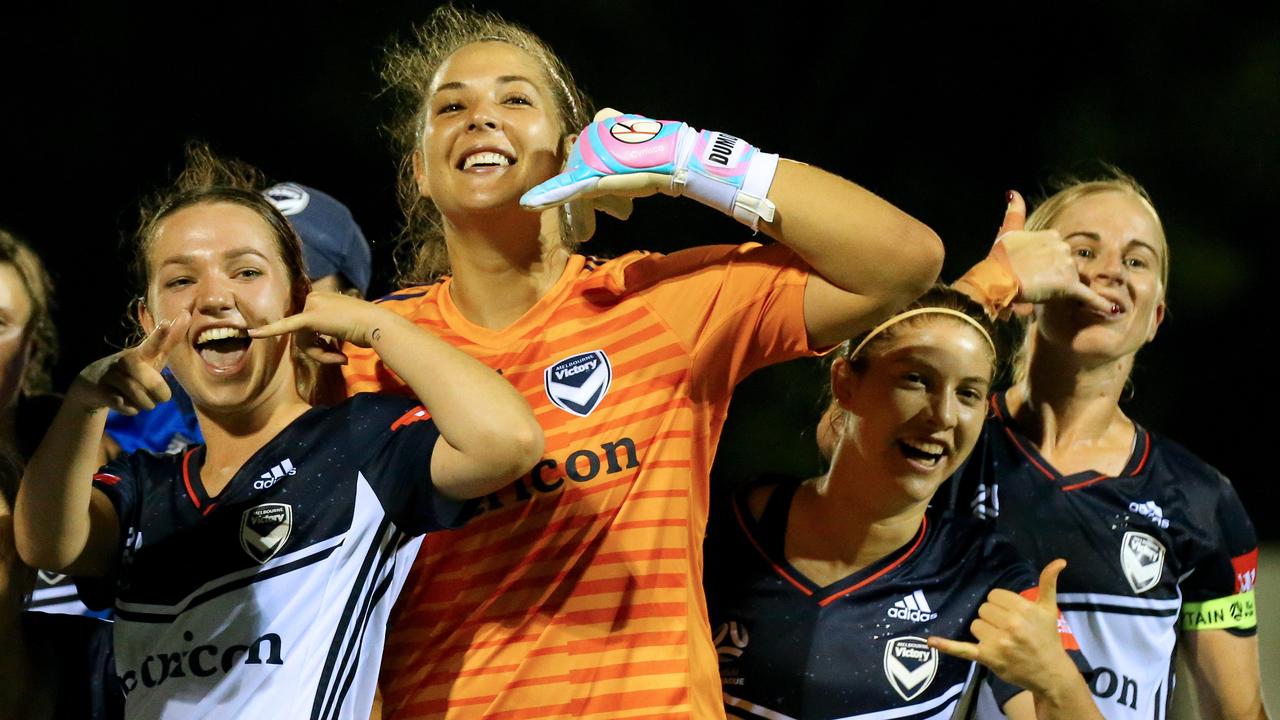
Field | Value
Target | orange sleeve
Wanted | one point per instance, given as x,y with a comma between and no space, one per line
365,371
736,308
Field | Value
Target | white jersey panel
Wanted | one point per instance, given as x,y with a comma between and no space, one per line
300,637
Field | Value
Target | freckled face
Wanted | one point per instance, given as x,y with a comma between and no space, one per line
491,131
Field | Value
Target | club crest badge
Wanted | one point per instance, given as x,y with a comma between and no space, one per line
579,382
910,664
1142,560
289,198
264,529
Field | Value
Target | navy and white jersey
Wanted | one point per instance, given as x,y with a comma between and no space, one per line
271,599
1163,546
856,648
56,593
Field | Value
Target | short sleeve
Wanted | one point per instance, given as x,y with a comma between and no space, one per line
736,308
1219,592
121,481
400,437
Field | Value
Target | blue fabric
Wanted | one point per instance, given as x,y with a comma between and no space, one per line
170,427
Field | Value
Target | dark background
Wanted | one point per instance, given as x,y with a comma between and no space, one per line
939,111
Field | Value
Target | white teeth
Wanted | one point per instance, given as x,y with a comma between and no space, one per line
220,333
932,448
485,158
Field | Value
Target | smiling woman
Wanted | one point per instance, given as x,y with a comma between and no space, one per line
286,504
823,592
575,592
1158,542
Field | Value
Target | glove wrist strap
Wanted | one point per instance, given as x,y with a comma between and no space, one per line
728,174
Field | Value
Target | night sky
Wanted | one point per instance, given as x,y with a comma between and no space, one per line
938,111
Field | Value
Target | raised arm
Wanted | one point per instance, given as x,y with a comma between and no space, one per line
488,435
60,522
868,257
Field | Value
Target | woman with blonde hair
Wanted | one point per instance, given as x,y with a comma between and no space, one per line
1161,552
575,592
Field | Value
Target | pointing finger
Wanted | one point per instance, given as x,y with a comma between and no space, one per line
955,648
1093,300
283,326
163,338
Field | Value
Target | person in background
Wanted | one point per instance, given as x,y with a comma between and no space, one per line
53,666
1162,555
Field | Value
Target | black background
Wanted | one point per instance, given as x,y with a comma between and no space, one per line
940,111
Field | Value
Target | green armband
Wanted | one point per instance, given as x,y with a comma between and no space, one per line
1234,611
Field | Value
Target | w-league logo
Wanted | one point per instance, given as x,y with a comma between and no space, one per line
731,639
264,529
910,665
579,382
1142,560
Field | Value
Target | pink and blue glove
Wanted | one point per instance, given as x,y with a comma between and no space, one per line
633,156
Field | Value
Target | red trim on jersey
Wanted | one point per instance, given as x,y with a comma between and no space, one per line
106,478
186,478
737,512
1246,567
1146,451
924,523
1086,483
1030,457
416,414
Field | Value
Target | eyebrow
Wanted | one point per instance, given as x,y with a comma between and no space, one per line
228,255
503,79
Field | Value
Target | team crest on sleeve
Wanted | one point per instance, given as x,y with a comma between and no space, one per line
264,530
1142,560
910,664
579,382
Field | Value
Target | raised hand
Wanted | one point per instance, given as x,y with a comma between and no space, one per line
327,317
635,156
1042,261
1019,638
130,381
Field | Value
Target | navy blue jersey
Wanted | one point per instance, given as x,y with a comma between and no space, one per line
76,653
1163,546
271,599
791,649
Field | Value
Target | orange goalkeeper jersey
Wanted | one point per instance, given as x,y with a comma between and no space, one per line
576,591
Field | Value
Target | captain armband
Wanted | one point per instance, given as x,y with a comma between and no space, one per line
1236,612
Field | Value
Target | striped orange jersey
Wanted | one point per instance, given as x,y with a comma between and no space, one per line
576,591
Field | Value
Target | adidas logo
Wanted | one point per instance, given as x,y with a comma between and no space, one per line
271,477
913,607
1151,511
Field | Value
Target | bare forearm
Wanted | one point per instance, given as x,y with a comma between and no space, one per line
476,410
51,518
857,241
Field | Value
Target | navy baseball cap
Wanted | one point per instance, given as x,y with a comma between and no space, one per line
332,243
